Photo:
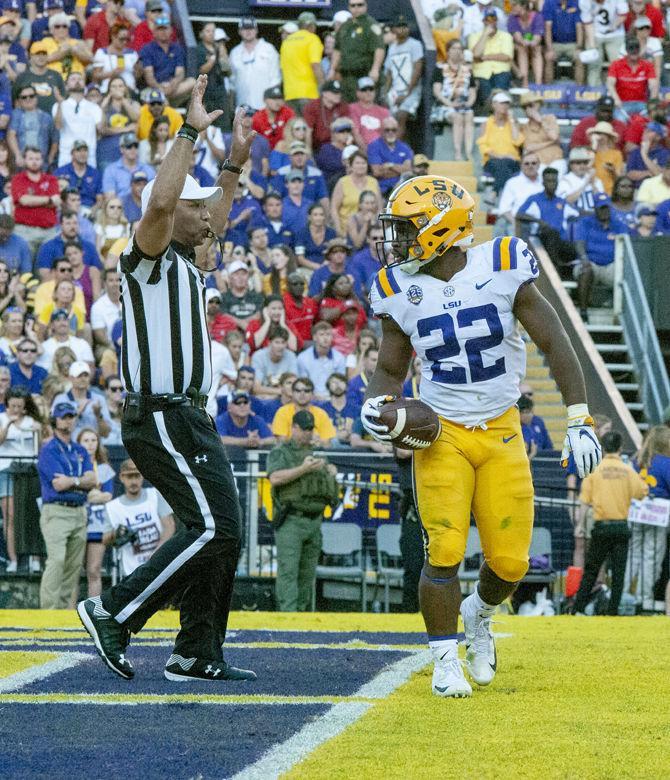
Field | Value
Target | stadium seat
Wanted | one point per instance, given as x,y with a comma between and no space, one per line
472,560
389,561
343,542
540,545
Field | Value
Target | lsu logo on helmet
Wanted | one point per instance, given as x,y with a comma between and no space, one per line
424,217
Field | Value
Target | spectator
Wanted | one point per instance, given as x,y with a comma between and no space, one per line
76,118
242,304
455,93
516,191
547,216
357,385
91,406
81,176
296,130
115,58
273,316
608,491
541,133
63,298
55,247
271,219
526,27
24,372
259,254
359,50
120,116
623,203
114,397
319,114
580,184
656,189
85,277
13,9
20,433
366,115
329,159
153,107
474,18
214,63
283,264
361,440
302,487
403,67
315,188
255,65
99,25
319,361
270,120
144,31
132,202
96,499
328,49
410,388
336,300
110,225
364,265
492,51
657,111
631,81
336,253
350,188
71,201
14,250
164,64
359,222
311,240
118,175
300,61
300,310
106,310
302,400
603,32
563,33
651,49
61,336
645,226
342,414
272,361
604,113
238,426
500,142
138,509
608,160
66,475
13,326
641,10
295,204
533,428
34,214
12,291
218,324
65,54
30,126
389,158
44,80
594,241
648,160
61,268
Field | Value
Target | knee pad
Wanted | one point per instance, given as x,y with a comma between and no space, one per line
509,569
445,550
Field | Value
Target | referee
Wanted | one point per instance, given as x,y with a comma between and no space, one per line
167,370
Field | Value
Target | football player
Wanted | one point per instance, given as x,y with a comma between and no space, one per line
457,308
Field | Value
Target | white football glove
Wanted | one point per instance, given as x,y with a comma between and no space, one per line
370,417
581,441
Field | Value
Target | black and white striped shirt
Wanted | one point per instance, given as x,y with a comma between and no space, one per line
166,346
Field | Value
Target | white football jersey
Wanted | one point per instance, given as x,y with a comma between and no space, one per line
464,330
605,17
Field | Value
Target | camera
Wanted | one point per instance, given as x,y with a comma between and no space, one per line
124,536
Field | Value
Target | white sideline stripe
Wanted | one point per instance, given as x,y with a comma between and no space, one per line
19,680
199,543
138,642
285,756
91,700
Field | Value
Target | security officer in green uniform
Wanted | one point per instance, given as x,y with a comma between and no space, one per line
302,486
359,50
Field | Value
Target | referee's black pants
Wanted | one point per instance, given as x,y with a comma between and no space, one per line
180,453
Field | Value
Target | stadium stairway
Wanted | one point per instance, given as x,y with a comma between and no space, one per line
546,396
463,172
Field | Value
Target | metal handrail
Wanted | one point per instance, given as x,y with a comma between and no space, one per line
640,334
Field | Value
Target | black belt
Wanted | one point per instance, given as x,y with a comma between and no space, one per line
161,401
71,504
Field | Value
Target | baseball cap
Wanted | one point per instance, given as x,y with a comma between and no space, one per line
348,151
162,21
155,96
305,18
304,419
642,21
93,87
154,5
220,34
293,174
336,243
79,144
400,21
56,314
340,17
606,100
420,159
297,146
49,4
247,23
289,27
240,394
647,211
191,191
63,408
656,127
333,85
579,154
273,93
139,176
365,81
237,265
12,5
127,139
37,47
212,292
501,97
490,12
128,467
79,367
601,199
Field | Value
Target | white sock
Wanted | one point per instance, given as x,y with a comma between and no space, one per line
480,604
443,648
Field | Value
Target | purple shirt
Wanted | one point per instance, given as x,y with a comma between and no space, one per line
164,64
535,26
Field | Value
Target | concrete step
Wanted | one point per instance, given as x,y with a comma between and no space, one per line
542,385
534,359
453,169
534,372
550,410
547,397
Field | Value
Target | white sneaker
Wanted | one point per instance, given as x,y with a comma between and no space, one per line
480,647
10,567
448,677
34,564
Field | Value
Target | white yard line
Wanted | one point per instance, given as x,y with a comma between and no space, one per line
18,680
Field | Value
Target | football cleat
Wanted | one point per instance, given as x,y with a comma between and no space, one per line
110,638
448,678
480,647
180,669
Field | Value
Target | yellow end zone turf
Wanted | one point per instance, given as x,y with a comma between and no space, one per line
12,662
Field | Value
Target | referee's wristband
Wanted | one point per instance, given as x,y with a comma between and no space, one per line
188,132
228,166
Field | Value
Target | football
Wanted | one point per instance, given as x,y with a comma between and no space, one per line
412,423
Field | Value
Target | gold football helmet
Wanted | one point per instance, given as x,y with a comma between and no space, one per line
424,217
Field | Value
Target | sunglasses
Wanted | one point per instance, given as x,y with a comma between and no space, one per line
28,97
302,390
241,402
30,349
113,206
131,146
367,89
116,389
390,129
356,5
530,164
61,26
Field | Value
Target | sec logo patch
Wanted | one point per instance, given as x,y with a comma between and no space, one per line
449,291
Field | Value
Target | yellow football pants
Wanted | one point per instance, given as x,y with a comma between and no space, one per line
484,472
